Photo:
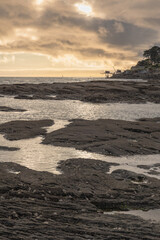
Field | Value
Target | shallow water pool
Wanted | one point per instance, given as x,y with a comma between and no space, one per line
42,157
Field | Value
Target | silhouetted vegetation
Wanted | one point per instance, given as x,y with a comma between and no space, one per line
152,55
149,67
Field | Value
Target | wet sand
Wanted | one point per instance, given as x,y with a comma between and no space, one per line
104,136
73,205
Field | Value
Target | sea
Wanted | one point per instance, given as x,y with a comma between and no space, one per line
38,80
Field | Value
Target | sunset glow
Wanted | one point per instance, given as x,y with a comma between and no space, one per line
39,2
74,35
84,8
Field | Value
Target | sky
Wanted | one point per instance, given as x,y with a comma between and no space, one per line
75,37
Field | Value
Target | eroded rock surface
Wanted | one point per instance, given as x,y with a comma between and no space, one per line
4,148
110,137
96,92
8,109
16,130
39,205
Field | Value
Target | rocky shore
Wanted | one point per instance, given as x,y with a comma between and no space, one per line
110,137
96,92
40,205
75,204
17,130
104,136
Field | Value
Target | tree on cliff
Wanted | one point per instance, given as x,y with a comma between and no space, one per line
153,54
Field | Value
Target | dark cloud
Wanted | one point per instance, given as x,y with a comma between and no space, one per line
153,21
131,35
115,32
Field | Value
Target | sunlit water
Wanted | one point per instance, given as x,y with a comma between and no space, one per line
37,156
37,80
153,215
42,157
72,109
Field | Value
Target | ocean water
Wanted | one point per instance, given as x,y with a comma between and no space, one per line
73,109
36,80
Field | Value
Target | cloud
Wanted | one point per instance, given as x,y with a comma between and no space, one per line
118,30
5,58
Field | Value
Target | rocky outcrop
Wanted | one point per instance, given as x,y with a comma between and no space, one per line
39,205
17,130
96,92
109,137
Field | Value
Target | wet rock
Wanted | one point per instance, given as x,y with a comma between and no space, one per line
94,91
157,165
131,176
8,109
109,137
17,130
40,205
4,148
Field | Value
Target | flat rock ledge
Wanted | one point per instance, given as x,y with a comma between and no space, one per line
40,205
95,91
5,148
17,130
8,109
109,137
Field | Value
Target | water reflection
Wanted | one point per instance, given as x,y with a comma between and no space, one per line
152,215
70,109
40,157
